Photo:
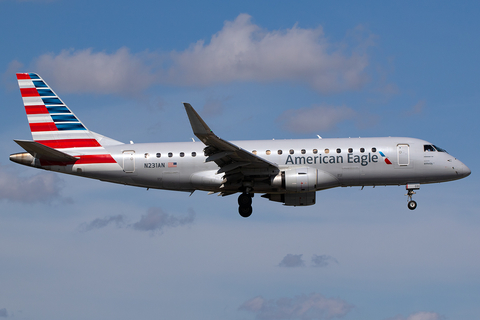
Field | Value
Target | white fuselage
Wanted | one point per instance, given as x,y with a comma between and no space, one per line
338,162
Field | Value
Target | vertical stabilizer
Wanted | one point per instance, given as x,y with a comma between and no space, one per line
54,125
51,122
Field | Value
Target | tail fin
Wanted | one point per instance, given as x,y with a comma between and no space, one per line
51,122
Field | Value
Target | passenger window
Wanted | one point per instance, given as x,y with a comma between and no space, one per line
315,151
374,149
339,150
279,152
254,152
159,155
170,154
194,154
291,151
428,148
350,150
147,156
362,150
327,150
182,154
303,151
268,152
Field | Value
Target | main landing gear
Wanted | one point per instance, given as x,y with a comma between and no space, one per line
412,205
245,204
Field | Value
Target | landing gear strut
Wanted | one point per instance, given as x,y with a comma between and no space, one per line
412,205
245,205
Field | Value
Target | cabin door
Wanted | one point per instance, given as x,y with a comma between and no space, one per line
129,161
403,154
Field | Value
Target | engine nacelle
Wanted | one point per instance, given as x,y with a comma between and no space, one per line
293,199
296,180
300,185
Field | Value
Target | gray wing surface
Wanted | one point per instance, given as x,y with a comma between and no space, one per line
43,152
240,166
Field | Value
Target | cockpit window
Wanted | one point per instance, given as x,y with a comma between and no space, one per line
428,148
432,148
440,149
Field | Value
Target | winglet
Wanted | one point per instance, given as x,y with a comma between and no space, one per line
226,155
199,127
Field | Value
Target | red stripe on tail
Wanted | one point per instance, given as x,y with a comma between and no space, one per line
29,92
36,109
96,158
70,143
43,126
23,76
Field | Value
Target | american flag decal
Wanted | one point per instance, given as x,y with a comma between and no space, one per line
172,164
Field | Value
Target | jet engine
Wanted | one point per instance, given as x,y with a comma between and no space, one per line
300,185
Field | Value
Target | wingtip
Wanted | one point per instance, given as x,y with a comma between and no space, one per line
199,126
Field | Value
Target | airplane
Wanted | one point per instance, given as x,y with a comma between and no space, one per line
285,171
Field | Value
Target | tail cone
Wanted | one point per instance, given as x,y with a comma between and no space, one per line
24,158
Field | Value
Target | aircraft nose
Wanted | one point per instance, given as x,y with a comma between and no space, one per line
462,170
466,170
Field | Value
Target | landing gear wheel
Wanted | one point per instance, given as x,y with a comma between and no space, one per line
245,204
245,200
245,211
412,205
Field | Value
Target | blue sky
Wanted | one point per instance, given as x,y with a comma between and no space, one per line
82,249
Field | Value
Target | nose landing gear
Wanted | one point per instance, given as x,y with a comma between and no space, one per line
245,204
412,205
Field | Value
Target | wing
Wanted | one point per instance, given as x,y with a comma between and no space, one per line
241,168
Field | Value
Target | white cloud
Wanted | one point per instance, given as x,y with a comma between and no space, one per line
42,187
420,316
306,307
315,119
97,72
99,223
417,108
214,105
156,220
322,260
292,260
242,51
9,74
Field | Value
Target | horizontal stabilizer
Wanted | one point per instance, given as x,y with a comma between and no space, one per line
43,152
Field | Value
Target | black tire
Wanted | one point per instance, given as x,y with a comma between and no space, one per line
245,211
412,205
244,200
